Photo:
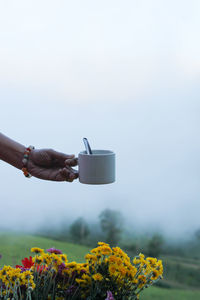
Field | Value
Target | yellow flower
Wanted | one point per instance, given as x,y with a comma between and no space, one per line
159,267
55,259
84,265
141,256
155,275
152,261
105,250
4,271
141,281
112,270
142,260
112,259
91,257
86,277
72,264
38,259
139,260
27,279
119,261
103,244
95,251
122,270
135,281
117,251
84,281
132,272
81,281
13,274
97,277
37,250
63,257
27,275
136,261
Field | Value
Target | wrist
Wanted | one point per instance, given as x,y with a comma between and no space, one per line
25,160
11,151
18,157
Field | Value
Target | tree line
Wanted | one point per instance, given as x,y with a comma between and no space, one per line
109,228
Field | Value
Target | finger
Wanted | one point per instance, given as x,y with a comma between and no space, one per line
65,173
73,175
72,171
61,157
68,174
48,174
71,162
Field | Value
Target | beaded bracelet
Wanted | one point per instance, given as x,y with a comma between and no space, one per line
25,161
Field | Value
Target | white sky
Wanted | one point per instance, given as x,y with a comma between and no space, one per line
125,74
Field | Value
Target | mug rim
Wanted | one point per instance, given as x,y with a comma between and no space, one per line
101,153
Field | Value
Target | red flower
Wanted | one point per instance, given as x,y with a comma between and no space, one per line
27,263
39,268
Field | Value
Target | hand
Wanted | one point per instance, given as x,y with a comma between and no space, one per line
52,165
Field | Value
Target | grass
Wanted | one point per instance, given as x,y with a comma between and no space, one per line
14,247
154,293
183,273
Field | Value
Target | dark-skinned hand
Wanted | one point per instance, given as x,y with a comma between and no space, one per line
49,164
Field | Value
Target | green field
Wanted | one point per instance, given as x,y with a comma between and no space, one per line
14,247
181,272
155,293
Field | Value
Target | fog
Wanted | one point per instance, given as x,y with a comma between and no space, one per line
126,76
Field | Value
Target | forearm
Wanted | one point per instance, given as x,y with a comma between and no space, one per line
11,151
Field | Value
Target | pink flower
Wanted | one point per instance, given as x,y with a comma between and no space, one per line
54,250
109,296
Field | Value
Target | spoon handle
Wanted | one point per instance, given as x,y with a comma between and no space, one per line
87,146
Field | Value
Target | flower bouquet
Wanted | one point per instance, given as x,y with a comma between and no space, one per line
107,274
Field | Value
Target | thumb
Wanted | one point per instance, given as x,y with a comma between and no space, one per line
70,155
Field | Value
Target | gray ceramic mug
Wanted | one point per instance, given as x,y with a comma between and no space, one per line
96,168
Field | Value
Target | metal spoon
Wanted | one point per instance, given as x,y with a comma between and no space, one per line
87,146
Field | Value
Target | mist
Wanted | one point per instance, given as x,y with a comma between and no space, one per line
156,149
128,86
